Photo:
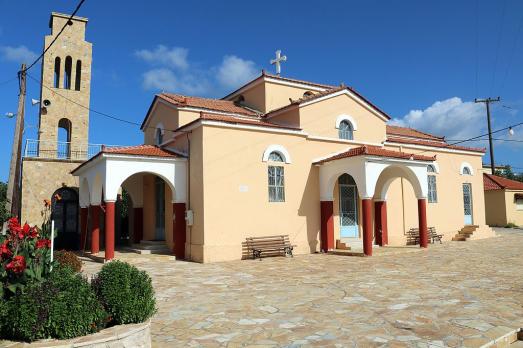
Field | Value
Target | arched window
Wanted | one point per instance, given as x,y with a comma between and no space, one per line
63,149
431,179
345,130
466,171
307,94
68,68
78,76
276,178
57,63
159,136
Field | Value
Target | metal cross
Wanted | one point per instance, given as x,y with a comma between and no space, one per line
278,60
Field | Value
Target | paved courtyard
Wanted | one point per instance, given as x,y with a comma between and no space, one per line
455,294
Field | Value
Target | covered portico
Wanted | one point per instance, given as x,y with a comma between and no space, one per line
102,178
372,169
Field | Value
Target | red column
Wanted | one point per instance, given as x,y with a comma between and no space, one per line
422,218
327,225
179,230
95,229
83,227
380,223
138,225
109,230
367,226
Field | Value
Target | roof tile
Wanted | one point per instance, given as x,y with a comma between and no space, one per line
376,151
411,133
494,182
140,150
207,103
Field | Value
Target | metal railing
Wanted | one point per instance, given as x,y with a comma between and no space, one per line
60,150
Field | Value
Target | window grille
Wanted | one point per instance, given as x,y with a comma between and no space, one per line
276,184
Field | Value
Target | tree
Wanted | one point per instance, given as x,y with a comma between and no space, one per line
509,174
4,214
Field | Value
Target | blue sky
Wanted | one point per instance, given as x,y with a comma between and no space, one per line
422,62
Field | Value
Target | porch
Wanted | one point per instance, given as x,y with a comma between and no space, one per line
356,182
155,181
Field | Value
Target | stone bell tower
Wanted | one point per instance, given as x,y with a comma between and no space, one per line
63,130
66,69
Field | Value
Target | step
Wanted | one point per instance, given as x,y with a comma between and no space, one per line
459,239
152,242
346,253
150,246
163,251
341,246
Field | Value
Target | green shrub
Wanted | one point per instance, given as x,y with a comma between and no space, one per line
63,306
68,258
126,292
511,225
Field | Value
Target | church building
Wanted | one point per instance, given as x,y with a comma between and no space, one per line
278,156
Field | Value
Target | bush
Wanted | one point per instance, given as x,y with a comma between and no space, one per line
63,306
68,258
126,292
511,225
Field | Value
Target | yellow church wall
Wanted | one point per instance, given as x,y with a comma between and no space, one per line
496,208
254,97
319,119
513,214
277,95
168,117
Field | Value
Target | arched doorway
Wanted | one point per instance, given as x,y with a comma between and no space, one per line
348,206
65,217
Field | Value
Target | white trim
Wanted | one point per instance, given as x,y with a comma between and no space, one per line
285,109
466,165
436,167
352,95
348,118
344,141
279,149
433,148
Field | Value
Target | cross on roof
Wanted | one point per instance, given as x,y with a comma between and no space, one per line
278,60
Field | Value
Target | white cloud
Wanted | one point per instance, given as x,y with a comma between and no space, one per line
19,54
172,71
165,79
235,71
175,57
451,118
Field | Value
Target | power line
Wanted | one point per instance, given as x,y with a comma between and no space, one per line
9,80
69,22
495,139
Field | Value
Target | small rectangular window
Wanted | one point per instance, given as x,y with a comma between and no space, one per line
276,184
519,203
433,192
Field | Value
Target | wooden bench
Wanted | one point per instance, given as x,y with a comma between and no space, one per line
413,236
269,246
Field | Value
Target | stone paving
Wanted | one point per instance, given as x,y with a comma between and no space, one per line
455,294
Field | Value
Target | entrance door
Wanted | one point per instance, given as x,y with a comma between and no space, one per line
159,232
65,216
467,203
348,206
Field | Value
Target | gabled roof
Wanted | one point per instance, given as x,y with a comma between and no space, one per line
411,133
318,95
136,150
140,150
265,74
438,144
209,104
368,150
494,182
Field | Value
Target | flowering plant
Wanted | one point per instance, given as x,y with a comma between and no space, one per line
25,254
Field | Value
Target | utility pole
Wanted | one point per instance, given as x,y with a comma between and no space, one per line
13,185
487,102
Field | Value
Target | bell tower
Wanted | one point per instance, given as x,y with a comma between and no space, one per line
66,70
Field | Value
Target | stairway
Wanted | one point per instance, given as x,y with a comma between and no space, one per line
465,233
341,246
146,247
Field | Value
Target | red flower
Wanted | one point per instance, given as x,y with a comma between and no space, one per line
43,243
14,226
17,265
4,249
33,232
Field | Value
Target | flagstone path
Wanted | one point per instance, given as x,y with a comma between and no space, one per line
455,294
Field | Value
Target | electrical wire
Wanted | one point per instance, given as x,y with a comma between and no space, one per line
56,37
9,80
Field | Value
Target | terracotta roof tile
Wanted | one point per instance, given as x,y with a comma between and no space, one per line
242,120
140,150
376,151
206,103
411,133
322,94
494,182
439,144
321,85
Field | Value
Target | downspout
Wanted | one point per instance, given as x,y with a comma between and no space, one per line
189,189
